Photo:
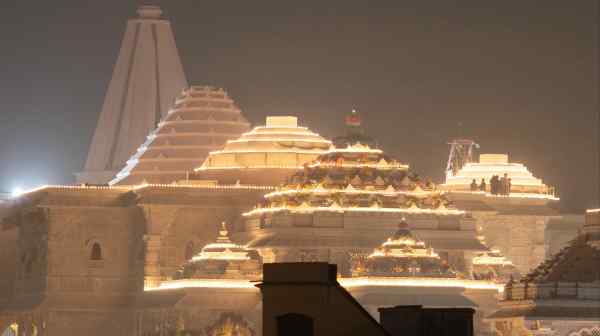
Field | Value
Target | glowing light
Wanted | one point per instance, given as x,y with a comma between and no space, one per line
17,191
593,211
204,283
192,186
420,282
351,190
412,210
344,282
247,167
234,151
242,140
359,165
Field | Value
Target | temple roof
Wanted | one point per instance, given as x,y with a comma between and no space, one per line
493,257
577,262
279,143
402,255
356,178
222,249
266,155
147,77
202,119
522,180
222,259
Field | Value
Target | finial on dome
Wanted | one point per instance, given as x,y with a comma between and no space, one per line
353,119
149,12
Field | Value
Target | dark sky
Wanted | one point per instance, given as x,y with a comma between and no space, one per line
520,77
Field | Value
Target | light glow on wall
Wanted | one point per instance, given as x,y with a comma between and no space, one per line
347,283
419,282
336,208
203,283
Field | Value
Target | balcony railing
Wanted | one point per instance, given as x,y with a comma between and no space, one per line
556,290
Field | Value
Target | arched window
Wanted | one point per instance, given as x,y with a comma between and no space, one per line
295,325
96,252
189,251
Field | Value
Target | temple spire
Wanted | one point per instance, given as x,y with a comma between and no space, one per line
355,133
147,77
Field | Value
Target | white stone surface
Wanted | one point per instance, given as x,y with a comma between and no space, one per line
147,77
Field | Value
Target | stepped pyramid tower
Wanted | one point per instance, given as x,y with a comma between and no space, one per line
402,255
350,198
147,77
201,121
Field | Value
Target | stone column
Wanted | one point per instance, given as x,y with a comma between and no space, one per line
152,277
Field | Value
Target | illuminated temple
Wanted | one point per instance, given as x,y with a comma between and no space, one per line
516,223
175,243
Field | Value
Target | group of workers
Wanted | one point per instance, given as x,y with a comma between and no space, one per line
498,185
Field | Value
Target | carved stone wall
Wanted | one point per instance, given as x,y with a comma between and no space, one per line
521,238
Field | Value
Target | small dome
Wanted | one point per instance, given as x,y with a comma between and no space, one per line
402,255
222,259
266,155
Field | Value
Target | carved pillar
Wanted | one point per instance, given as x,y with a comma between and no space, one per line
152,276
158,222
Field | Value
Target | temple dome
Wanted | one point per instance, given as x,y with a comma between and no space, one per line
202,119
492,265
522,180
402,255
222,259
266,155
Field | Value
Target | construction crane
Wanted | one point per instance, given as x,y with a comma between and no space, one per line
461,153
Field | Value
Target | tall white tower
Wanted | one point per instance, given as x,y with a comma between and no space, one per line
147,78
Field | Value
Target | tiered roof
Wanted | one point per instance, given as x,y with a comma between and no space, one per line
565,286
202,120
356,178
492,265
265,155
222,260
522,180
402,255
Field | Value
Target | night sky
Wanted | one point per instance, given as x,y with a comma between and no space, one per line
520,77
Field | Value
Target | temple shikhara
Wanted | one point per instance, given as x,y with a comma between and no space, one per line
182,202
